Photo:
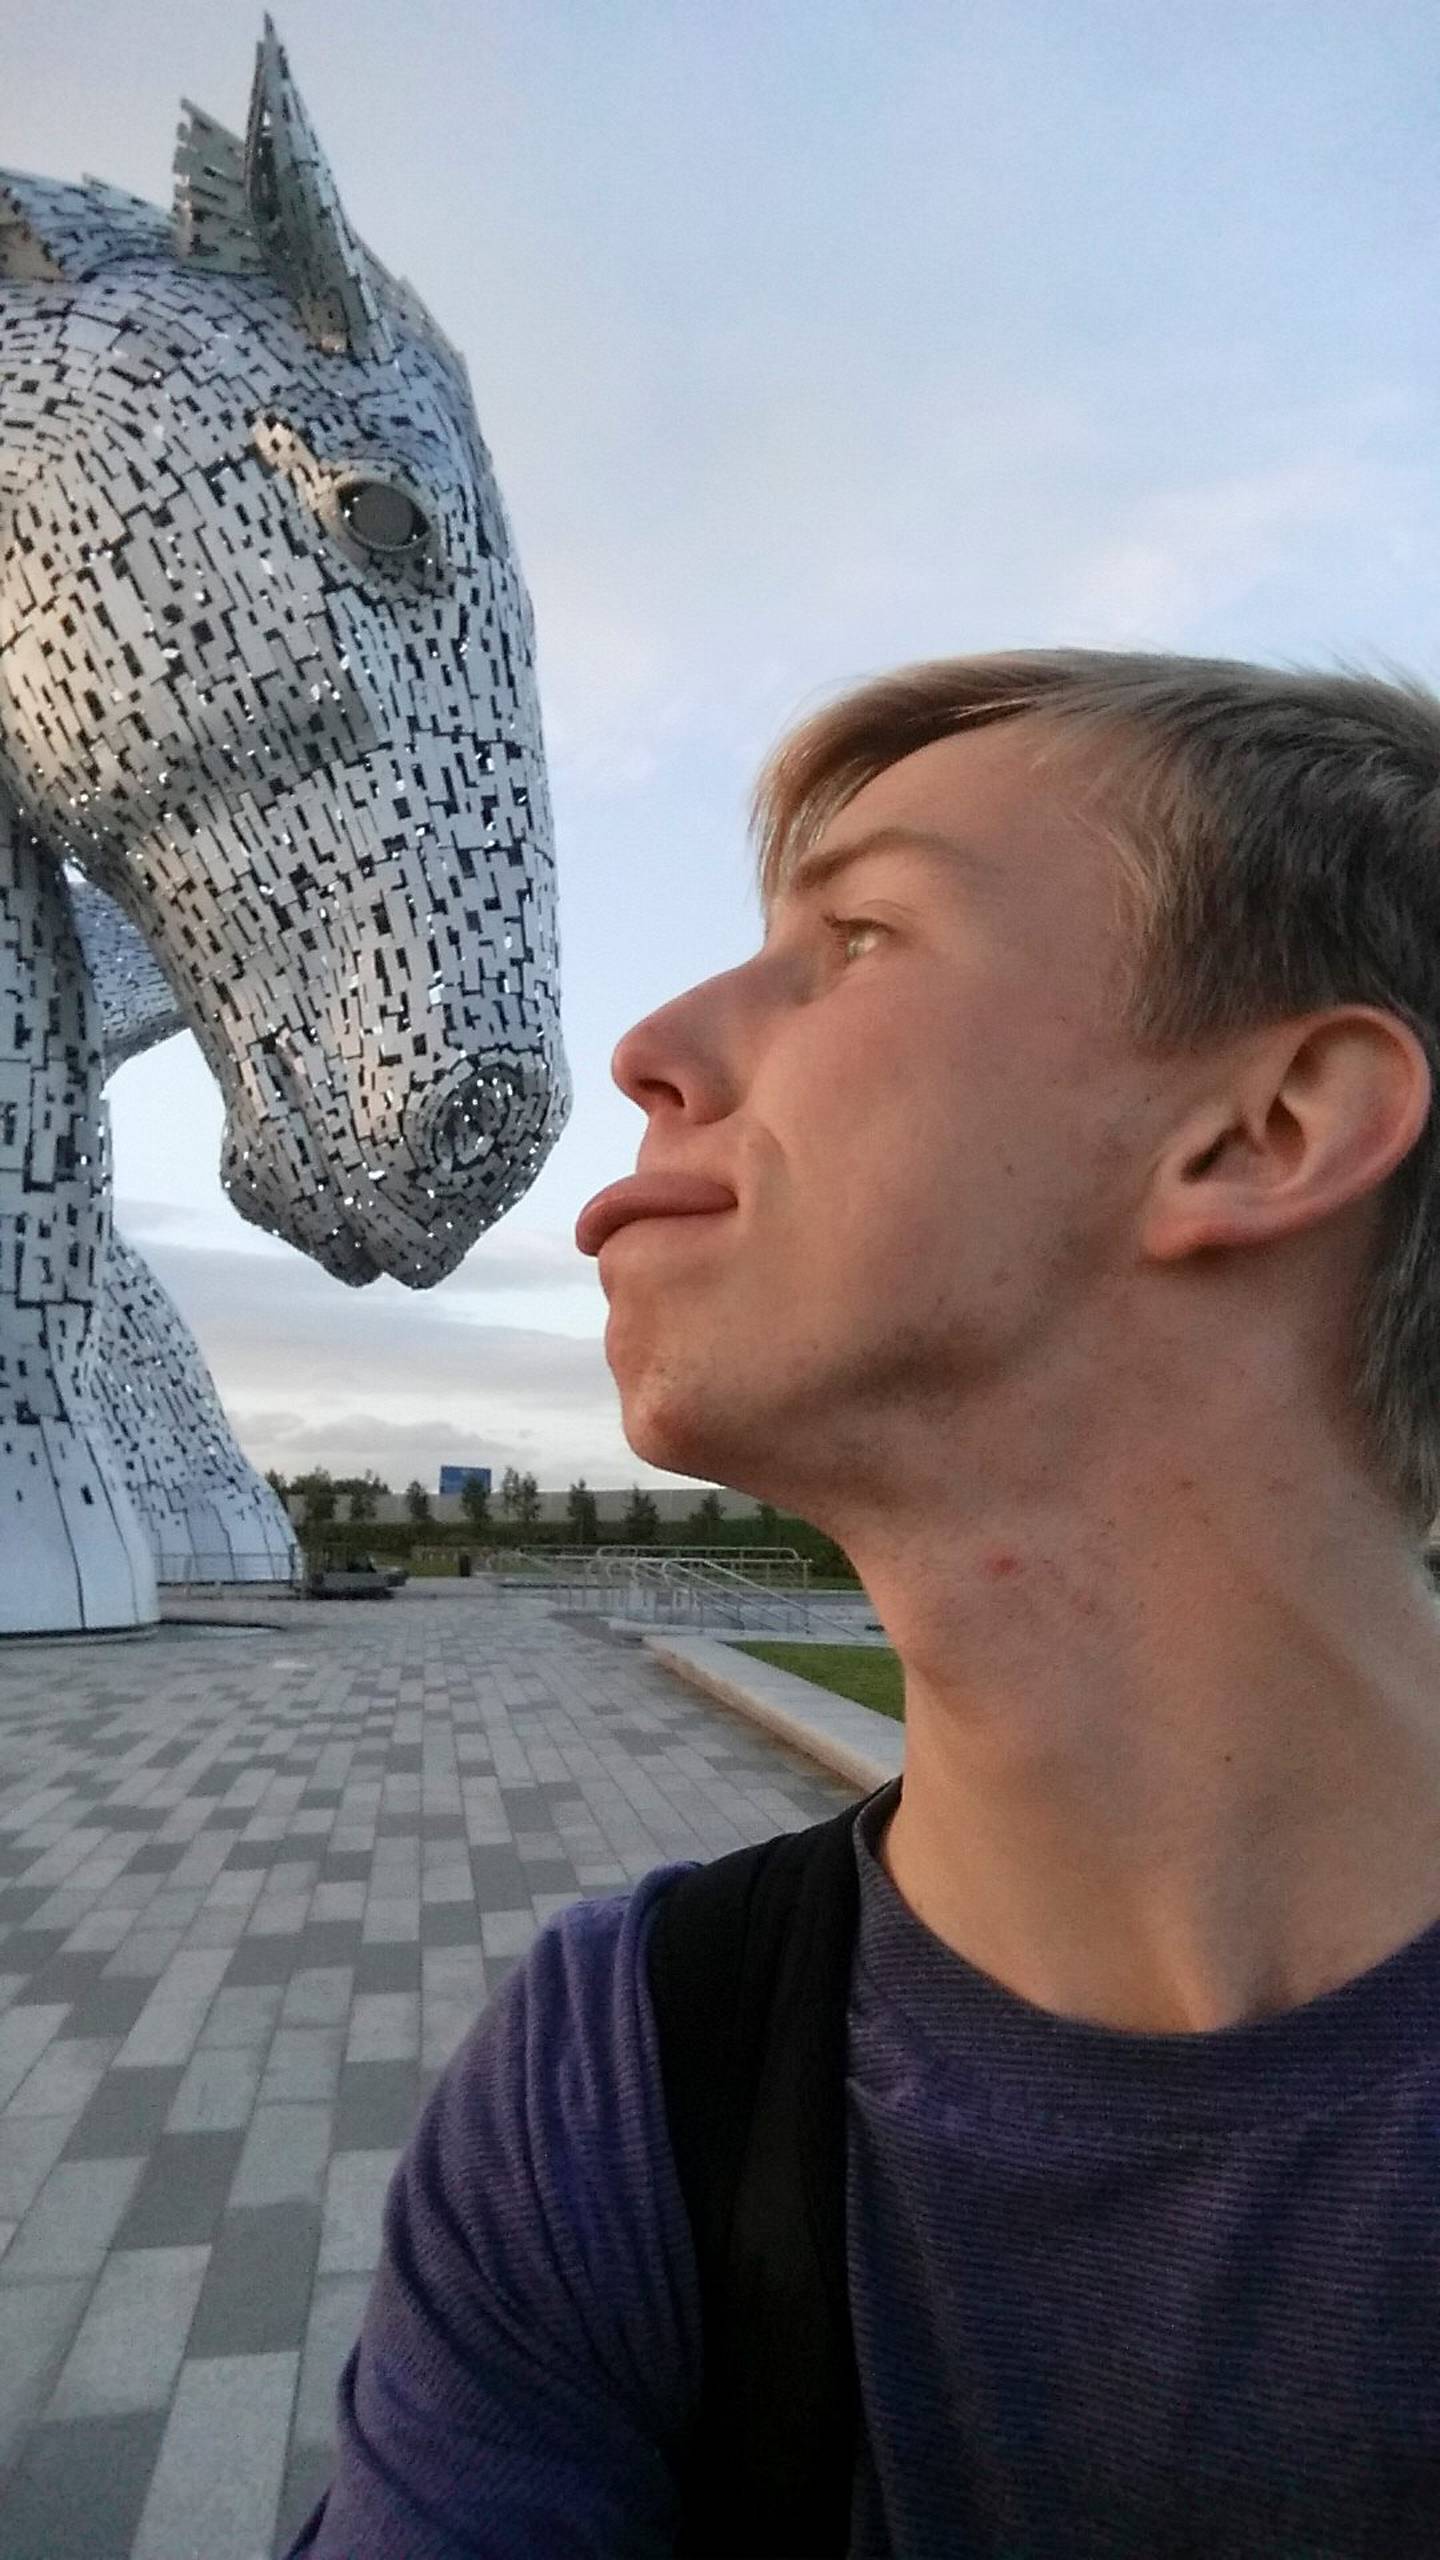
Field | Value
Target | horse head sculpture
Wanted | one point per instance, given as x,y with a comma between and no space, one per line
267,678
270,766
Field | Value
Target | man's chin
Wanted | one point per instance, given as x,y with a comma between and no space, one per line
697,1406
725,1447
661,1442
667,1426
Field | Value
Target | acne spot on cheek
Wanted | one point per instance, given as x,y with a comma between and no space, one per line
998,1564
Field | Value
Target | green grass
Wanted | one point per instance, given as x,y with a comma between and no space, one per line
869,1673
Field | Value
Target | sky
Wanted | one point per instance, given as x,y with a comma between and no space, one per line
808,338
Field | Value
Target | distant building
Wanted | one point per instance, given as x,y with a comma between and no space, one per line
455,1479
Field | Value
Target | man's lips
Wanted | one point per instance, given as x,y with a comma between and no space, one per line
647,1195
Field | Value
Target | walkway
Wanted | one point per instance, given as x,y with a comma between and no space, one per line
253,1889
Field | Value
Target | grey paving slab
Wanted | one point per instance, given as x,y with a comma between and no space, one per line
143,1957
29,2149
388,1967
384,2027
218,2091
181,2193
24,2034
355,2191
256,2294
128,2348
336,2308
242,2016
251,1897
216,2483
37,2323
318,1996
65,2078
73,2220
303,2062
454,1921
126,2115
285,2155
376,2104
74,2472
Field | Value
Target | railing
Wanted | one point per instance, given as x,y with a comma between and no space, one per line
768,1565
224,1571
686,1590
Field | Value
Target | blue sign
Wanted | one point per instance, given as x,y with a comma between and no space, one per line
455,1479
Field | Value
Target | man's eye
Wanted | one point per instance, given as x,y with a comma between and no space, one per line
848,929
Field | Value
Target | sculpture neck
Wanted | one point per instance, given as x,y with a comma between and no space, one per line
75,1555
54,1147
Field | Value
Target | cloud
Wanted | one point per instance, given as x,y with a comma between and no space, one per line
513,1260
520,1260
139,1219
805,542
348,1444
280,1317
1182,555
312,1373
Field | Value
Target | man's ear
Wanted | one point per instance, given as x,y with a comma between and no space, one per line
1308,1116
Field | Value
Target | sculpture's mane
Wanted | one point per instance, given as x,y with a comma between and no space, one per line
264,206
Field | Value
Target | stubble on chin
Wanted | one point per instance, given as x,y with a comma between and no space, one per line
668,1420
728,1422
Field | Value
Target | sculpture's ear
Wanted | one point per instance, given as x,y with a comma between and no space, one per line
299,222
53,234
212,222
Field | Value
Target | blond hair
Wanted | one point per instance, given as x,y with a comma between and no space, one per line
1277,838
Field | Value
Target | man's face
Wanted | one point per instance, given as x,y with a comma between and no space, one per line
919,1097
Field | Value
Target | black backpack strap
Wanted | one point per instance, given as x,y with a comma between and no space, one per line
749,1969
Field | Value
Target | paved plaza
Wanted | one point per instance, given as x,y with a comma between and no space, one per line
254,1887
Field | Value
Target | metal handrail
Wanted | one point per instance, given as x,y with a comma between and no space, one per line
694,1589
759,1564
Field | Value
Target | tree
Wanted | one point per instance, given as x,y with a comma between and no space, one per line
582,1515
364,1492
276,1482
767,1521
475,1501
707,1520
642,1518
527,1502
417,1500
510,1493
317,1492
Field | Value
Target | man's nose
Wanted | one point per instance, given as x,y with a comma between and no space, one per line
684,1053
636,1063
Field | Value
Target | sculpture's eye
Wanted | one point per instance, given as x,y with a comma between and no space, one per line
383,520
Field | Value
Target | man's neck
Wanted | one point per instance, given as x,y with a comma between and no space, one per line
1168,1782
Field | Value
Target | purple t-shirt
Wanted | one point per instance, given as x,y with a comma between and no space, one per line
1114,2294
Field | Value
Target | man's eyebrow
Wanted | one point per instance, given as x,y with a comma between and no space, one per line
814,869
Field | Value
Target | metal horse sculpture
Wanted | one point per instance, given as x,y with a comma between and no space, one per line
267,683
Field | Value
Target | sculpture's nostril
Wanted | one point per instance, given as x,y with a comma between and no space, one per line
464,1131
493,1110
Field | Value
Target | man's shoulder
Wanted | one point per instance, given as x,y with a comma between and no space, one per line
592,1942
570,2025
531,2345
